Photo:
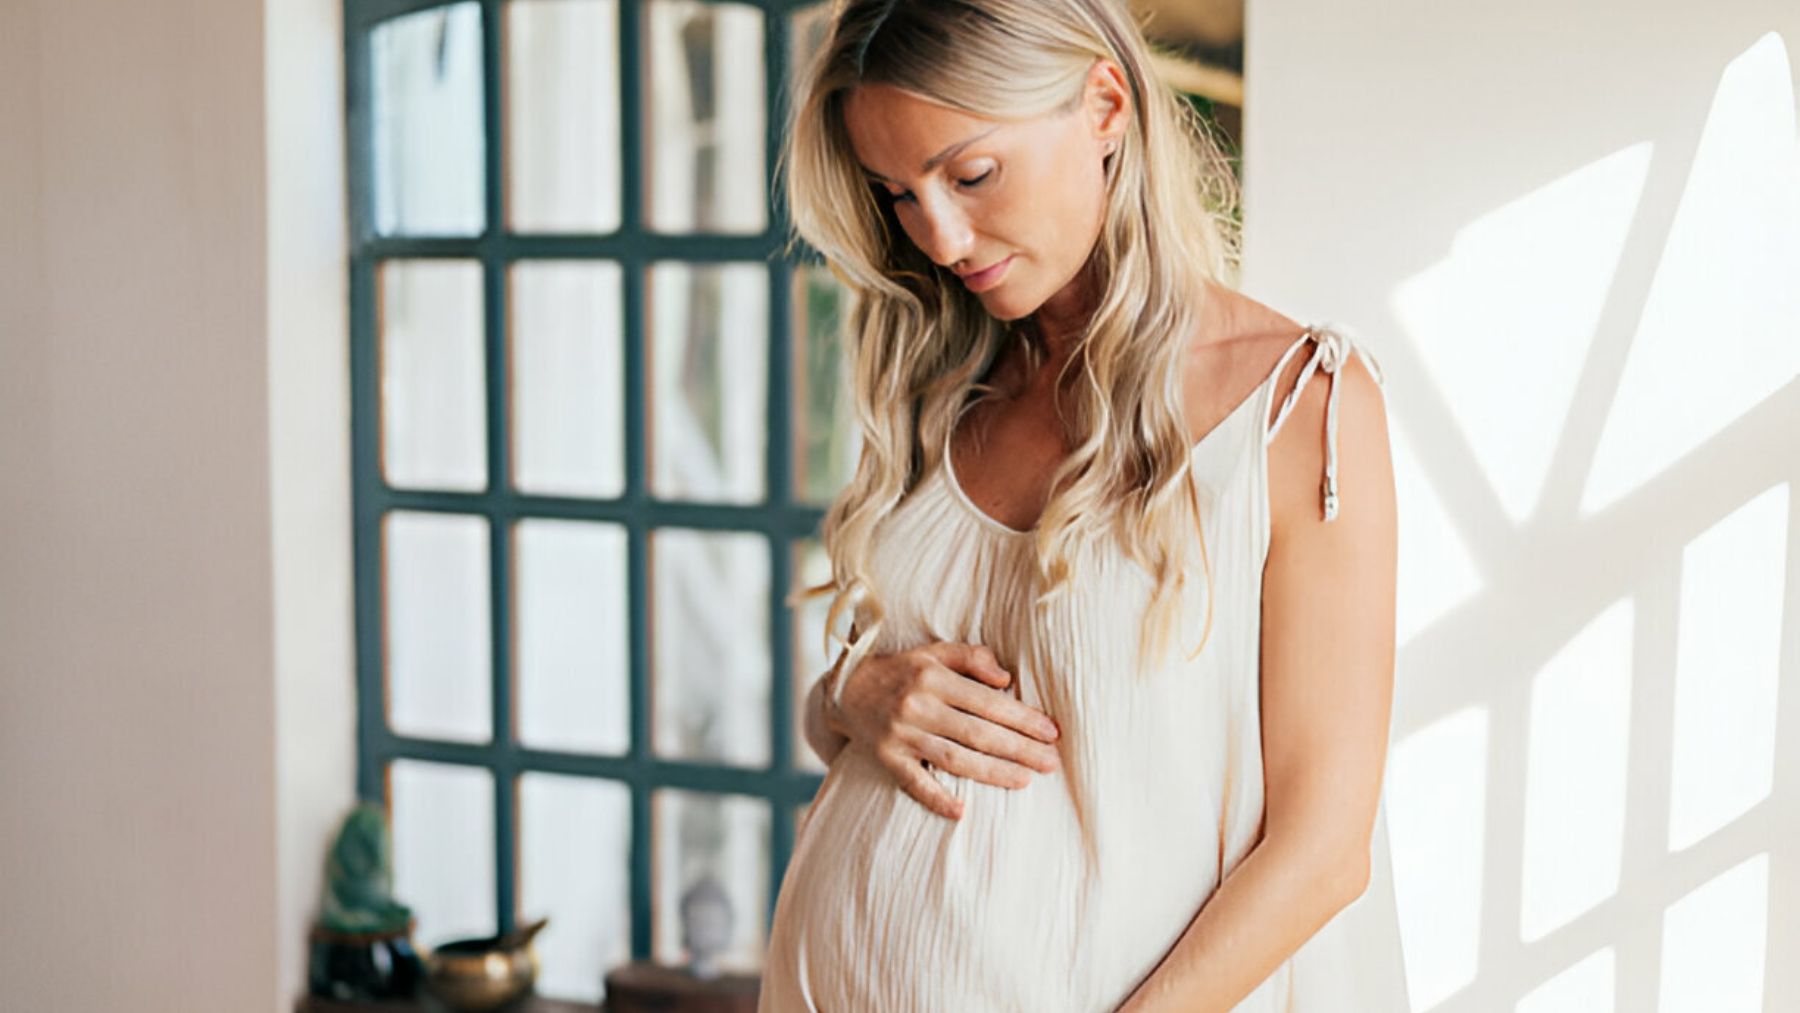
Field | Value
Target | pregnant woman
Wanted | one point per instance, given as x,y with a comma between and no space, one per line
1109,724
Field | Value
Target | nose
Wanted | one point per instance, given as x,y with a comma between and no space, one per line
944,233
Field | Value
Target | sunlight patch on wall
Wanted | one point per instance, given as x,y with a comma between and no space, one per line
1507,356
1583,987
1577,755
1437,824
1713,943
1719,325
1728,666
1437,570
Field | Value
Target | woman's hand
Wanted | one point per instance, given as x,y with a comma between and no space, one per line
943,703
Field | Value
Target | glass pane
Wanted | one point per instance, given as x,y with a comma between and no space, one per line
443,824
704,117
562,115
720,844
710,629
570,611
811,566
425,117
435,570
708,380
568,390
575,869
433,422
826,436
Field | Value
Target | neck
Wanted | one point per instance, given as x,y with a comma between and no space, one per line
1059,323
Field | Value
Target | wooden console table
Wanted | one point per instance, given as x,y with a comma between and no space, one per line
639,987
535,1004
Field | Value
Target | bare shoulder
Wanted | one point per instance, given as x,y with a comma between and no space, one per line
1356,450
1233,352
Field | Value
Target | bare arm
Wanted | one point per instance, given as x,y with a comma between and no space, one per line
1327,686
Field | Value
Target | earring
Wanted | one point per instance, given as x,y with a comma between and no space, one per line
1109,147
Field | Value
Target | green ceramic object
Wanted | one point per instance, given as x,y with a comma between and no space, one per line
359,877
360,946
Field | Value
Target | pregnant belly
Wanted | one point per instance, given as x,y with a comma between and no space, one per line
886,905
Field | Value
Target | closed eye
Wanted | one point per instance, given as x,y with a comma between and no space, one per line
968,183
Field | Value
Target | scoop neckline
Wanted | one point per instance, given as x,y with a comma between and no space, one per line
948,467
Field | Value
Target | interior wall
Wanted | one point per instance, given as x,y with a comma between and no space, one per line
309,463
175,666
1569,233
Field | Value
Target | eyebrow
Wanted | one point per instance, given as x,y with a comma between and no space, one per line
937,159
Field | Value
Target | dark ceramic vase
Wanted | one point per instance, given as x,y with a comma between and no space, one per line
362,965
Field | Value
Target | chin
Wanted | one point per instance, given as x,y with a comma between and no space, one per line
1002,306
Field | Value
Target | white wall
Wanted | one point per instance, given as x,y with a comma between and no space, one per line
309,463
1571,233
175,666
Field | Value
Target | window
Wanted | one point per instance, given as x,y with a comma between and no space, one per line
596,417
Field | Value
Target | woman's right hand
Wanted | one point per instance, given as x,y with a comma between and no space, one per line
944,703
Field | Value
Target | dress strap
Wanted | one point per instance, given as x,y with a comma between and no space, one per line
1335,343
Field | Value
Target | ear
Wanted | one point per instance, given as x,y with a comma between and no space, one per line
1107,100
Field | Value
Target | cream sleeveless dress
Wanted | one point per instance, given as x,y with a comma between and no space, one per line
1065,894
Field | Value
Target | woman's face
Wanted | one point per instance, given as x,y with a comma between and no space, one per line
1011,206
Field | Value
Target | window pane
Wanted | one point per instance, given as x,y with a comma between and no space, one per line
826,436
811,566
562,112
711,635
704,118
723,842
443,824
433,420
425,106
568,401
575,869
709,380
438,637
572,659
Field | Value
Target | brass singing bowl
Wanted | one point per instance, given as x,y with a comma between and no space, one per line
480,975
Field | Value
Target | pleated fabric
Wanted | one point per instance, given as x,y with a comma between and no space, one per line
1065,894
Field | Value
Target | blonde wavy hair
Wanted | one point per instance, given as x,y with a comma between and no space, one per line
919,342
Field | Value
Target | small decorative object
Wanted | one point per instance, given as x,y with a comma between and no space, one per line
360,946
706,920
702,986
644,986
488,973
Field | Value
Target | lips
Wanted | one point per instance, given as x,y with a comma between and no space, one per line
978,280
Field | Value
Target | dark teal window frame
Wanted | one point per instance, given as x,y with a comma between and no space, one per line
781,519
